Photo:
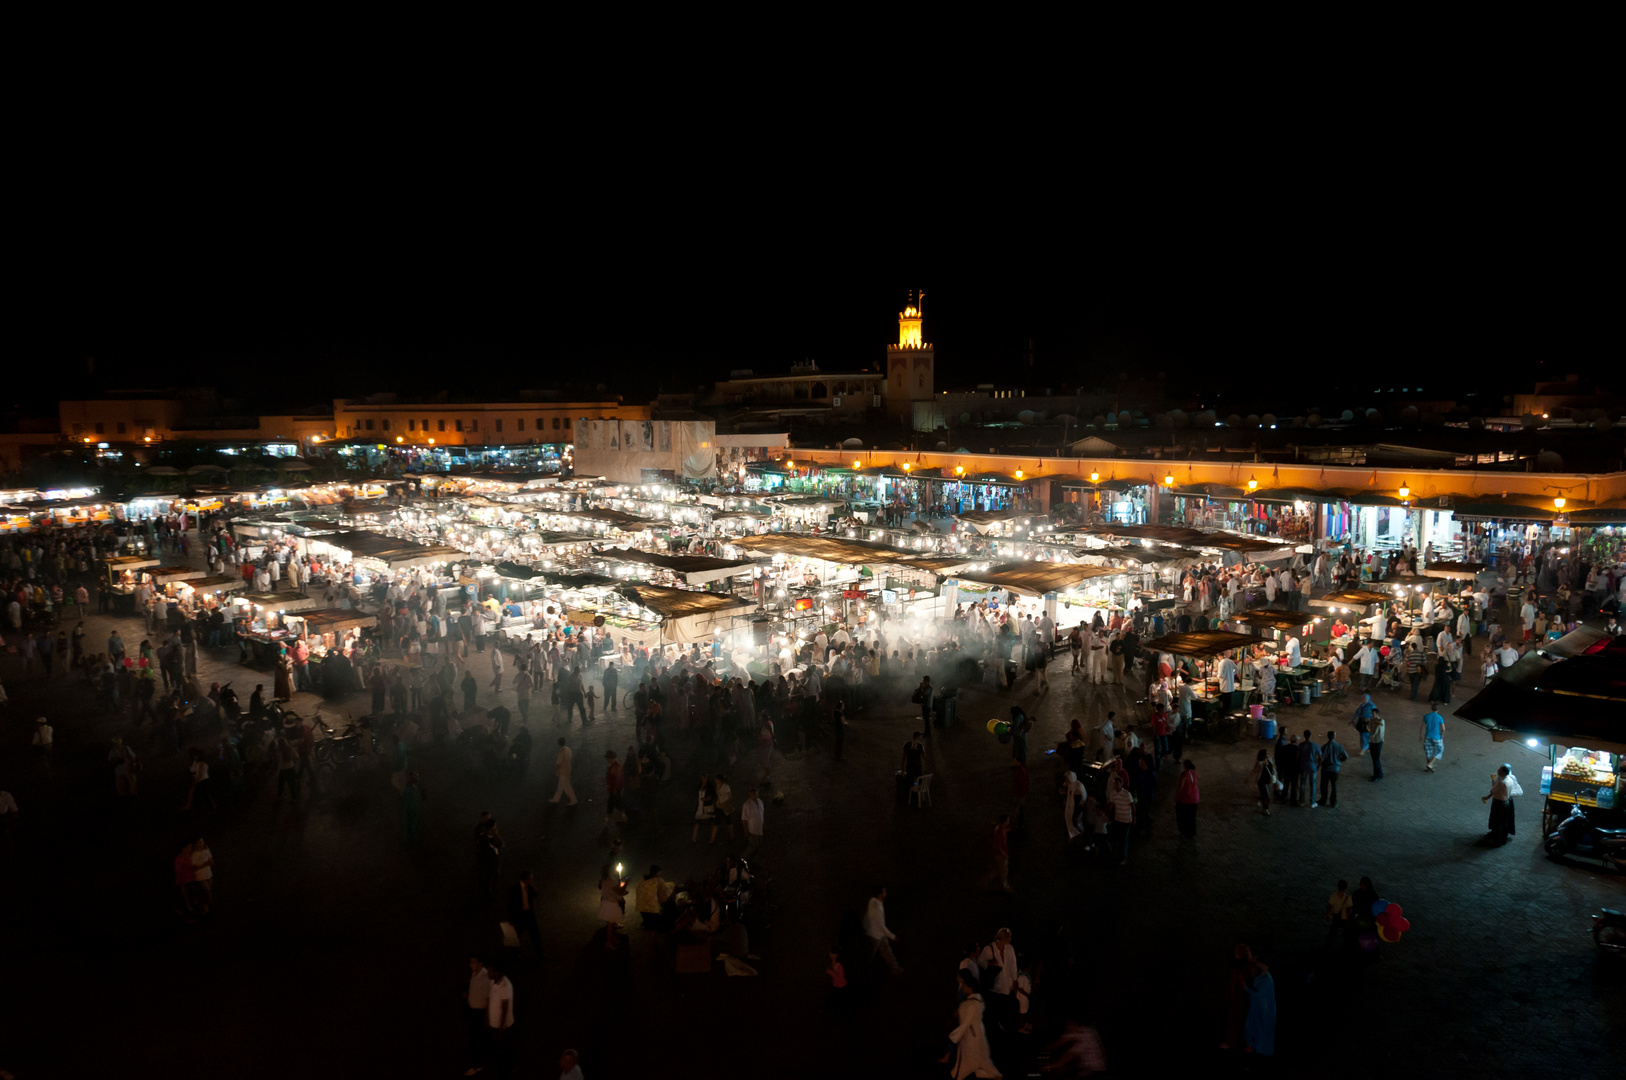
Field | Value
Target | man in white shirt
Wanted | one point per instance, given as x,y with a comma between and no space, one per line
499,1018
1367,660
561,770
875,928
1294,653
1001,952
1527,615
1047,633
478,996
1227,675
1507,656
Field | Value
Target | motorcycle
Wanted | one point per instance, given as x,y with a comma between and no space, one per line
1609,931
1579,835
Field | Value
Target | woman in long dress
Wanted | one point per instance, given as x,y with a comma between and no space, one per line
1504,786
1074,791
283,684
970,1038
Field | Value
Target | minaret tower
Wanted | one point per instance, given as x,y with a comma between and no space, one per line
909,363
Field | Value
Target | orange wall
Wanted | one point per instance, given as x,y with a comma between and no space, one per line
1424,484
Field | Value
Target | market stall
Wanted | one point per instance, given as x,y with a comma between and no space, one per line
688,616
1568,699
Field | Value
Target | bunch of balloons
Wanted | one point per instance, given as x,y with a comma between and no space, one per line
1001,729
1391,920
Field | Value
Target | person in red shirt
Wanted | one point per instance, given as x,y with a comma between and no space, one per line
1186,797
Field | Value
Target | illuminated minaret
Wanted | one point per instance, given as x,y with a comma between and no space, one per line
909,362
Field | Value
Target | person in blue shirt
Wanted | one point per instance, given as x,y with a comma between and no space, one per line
1309,759
1433,735
1333,757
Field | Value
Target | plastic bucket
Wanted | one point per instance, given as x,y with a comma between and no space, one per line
1256,711
1267,729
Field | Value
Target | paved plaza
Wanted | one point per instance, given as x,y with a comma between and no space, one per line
338,950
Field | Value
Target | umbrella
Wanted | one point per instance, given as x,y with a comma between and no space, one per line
163,470
196,469
295,465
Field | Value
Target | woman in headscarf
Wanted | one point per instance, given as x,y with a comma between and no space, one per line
970,1038
1504,786
1073,791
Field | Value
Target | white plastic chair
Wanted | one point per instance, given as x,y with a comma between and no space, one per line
920,792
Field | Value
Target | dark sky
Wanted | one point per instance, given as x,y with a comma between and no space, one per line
299,265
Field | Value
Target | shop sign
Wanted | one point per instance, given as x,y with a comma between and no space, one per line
852,594
889,596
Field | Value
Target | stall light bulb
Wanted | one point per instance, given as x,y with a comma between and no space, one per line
1530,742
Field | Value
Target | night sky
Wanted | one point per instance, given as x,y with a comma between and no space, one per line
298,271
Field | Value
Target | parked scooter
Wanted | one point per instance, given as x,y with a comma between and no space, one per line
1609,931
1579,835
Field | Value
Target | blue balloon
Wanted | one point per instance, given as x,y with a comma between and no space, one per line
1378,906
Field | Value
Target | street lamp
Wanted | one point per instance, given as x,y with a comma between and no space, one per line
856,466
1019,474
1095,478
1253,484
1405,492
1168,481
907,466
959,470
1558,503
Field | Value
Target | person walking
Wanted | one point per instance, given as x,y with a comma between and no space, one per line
923,697
1432,735
1186,797
562,764
126,769
1287,768
412,809
476,998
1340,914
881,937
1309,758
1120,811
614,784
522,911
1072,790
1259,1031
1504,786
496,669
971,1054
1002,852
752,815
1376,732
499,1019
43,739
1441,693
1263,779
1333,757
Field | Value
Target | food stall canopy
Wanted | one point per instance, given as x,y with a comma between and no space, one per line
687,616
283,601
1216,491
1598,515
1491,511
1078,483
163,575
828,548
421,555
1459,570
1352,597
1200,642
1037,578
567,580
121,563
694,569
1410,580
335,620
515,570
1577,699
1142,555
1277,618
980,519
939,564
219,583
613,518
